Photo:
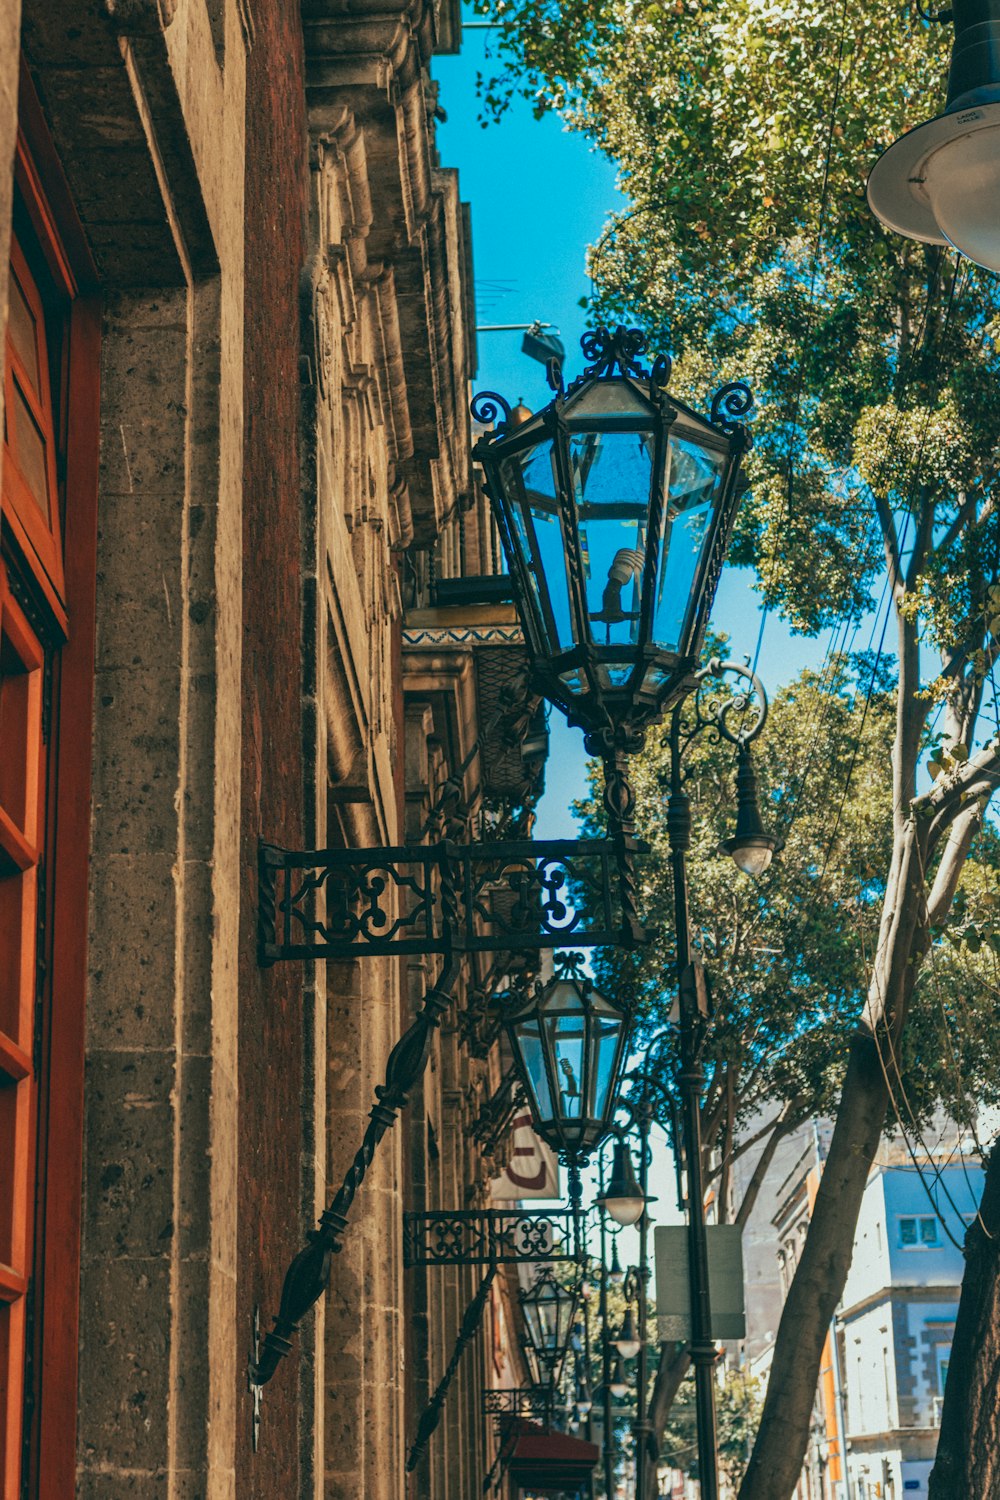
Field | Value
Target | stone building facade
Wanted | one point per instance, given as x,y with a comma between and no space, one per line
240,533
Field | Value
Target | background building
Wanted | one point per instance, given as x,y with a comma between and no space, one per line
236,484
878,1400
897,1316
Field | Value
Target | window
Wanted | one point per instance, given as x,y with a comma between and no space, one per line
919,1232
33,350
48,517
21,786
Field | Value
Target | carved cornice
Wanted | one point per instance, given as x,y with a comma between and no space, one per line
404,232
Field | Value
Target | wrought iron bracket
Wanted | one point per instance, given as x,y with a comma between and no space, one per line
443,898
489,1237
530,1401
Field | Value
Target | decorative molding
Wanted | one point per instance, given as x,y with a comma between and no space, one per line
465,635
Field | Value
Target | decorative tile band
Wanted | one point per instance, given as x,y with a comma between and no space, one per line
469,635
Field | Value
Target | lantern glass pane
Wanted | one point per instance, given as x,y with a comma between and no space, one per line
567,1036
529,481
606,1032
607,398
530,1044
612,472
695,475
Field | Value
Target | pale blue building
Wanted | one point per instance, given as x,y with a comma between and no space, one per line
897,1319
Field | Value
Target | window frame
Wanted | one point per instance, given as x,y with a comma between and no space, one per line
63,608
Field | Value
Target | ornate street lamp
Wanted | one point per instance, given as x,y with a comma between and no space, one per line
623,1198
569,1044
618,1384
940,181
614,505
751,847
549,1308
627,1341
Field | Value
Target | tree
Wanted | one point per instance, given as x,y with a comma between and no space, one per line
744,134
786,954
738,1411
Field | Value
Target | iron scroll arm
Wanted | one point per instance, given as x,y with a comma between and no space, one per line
309,1273
431,1415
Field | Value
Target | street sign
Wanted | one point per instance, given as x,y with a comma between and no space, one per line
725,1281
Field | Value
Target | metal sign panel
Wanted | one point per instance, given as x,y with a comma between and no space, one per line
725,1281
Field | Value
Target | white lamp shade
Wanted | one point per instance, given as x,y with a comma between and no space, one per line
962,181
753,858
939,183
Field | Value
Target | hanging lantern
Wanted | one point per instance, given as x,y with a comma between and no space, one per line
623,1198
614,505
549,1309
569,1044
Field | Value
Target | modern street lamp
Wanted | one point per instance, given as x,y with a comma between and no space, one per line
940,182
614,505
569,1043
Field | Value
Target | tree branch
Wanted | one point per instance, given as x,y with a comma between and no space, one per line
953,857
923,538
966,513
889,541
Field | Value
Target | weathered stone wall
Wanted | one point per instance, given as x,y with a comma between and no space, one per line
284,438
149,129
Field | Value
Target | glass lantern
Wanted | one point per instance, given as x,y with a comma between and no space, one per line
614,506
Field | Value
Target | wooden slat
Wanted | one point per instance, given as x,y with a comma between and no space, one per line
16,854
15,1063
12,1284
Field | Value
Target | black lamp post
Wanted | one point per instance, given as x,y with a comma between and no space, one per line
737,719
614,505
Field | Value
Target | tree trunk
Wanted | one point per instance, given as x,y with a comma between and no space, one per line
968,1454
776,1462
783,1435
670,1372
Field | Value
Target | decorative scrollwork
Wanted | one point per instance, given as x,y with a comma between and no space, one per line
730,403
624,348
540,891
359,903
554,375
512,897
491,1236
663,368
527,1401
486,407
737,718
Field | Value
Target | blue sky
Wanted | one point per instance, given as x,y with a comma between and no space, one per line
539,196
